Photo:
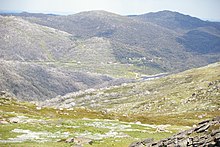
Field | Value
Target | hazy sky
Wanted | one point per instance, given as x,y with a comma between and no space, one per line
205,9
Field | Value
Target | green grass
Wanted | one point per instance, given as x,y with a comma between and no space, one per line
165,95
156,135
53,121
5,131
117,70
35,144
56,121
127,105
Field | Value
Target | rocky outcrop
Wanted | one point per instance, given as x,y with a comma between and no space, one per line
78,141
206,133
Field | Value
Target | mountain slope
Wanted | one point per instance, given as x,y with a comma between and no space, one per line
86,49
198,37
115,27
37,81
21,40
164,47
196,88
174,20
39,62
25,41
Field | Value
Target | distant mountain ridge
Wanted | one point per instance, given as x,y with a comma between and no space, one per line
151,39
175,20
197,35
109,44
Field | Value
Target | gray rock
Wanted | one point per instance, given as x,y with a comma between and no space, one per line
69,140
217,136
217,119
190,131
209,139
136,144
82,140
203,128
147,141
215,132
183,143
211,144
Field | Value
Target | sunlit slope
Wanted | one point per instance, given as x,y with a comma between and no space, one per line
190,91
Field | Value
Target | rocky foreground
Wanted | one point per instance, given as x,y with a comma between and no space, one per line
206,133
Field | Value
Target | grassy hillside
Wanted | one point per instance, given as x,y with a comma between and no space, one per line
198,89
25,124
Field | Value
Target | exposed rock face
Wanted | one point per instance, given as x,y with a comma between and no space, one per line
206,133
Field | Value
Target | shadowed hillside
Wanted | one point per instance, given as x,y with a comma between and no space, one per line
35,81
198,36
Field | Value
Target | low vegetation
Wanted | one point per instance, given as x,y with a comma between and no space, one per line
84,79
196,88
115,116
24,124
